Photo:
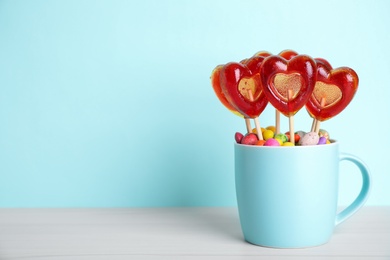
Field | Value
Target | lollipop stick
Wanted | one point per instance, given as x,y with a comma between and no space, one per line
317,128
277,121
291,120
258,128
313,125
317,123
291,126
248,125
256,119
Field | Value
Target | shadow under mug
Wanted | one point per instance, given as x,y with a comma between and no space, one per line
287,196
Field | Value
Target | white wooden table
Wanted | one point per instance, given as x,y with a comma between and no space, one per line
171,233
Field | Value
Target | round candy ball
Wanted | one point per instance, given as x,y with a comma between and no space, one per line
323,133
271,142
310,138
301,134
272,128
322,140
282,137
267,134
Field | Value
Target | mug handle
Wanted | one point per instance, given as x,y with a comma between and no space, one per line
361,198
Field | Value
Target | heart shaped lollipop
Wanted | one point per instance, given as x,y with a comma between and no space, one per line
288,54
215,75
262,53
254,63
242,88
288,84
253,58
333,91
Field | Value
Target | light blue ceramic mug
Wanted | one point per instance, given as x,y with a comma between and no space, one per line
287,196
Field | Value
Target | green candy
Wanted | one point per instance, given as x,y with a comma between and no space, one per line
281,137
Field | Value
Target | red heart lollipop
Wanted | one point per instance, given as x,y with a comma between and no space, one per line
288,84
333,90
252,60
242,88
288,54
323,64
254,63
215,75
262,53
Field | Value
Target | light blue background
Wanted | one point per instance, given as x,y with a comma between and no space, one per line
109,103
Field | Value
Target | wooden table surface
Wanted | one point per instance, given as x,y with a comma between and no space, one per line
171,233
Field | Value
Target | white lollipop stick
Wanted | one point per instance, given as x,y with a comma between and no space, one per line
316,123
248,125
277,121
256,119
291,120
313,125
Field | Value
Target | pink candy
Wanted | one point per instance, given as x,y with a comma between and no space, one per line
271,142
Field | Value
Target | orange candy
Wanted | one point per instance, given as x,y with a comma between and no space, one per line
260,142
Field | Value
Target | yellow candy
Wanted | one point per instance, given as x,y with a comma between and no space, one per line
254,130
267,134
272,128
288,144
